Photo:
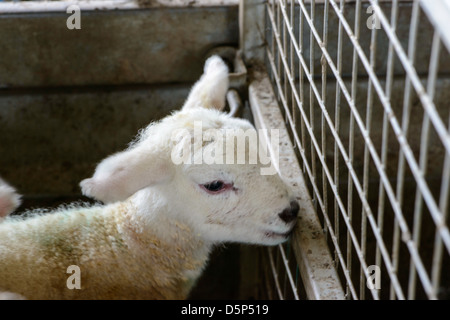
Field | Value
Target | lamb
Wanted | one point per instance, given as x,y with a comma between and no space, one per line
152,236
9,199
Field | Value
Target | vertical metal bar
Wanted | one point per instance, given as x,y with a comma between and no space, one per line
301,79
369,109
352,129
278,22
311,95
349,203
291,53
405,126
337,124
444,198
283,69
424,139
351,134
288,273
275,274
272,34
285,82
444,195
385,131
385,136
276,271
324,101
418,204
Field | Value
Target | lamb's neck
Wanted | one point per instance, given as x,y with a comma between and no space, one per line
176,239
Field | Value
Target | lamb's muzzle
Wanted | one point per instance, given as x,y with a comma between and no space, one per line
290,213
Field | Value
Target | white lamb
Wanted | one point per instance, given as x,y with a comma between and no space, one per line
152,238
9,199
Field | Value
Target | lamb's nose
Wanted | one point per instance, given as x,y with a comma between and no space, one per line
290,213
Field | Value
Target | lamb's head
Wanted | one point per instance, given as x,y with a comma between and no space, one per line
221,181
208,170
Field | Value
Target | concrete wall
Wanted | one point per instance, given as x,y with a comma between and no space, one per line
68,98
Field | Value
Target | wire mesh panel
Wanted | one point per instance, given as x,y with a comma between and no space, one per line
364,88
281,275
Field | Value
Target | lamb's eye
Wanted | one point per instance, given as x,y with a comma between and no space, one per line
214,186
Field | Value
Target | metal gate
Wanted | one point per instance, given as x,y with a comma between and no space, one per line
362,90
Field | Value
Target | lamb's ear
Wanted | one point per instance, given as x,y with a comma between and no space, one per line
9,199
210,91
123,174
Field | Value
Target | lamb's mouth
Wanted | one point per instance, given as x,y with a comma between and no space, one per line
272,234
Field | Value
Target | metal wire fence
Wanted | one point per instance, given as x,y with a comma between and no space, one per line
364,89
